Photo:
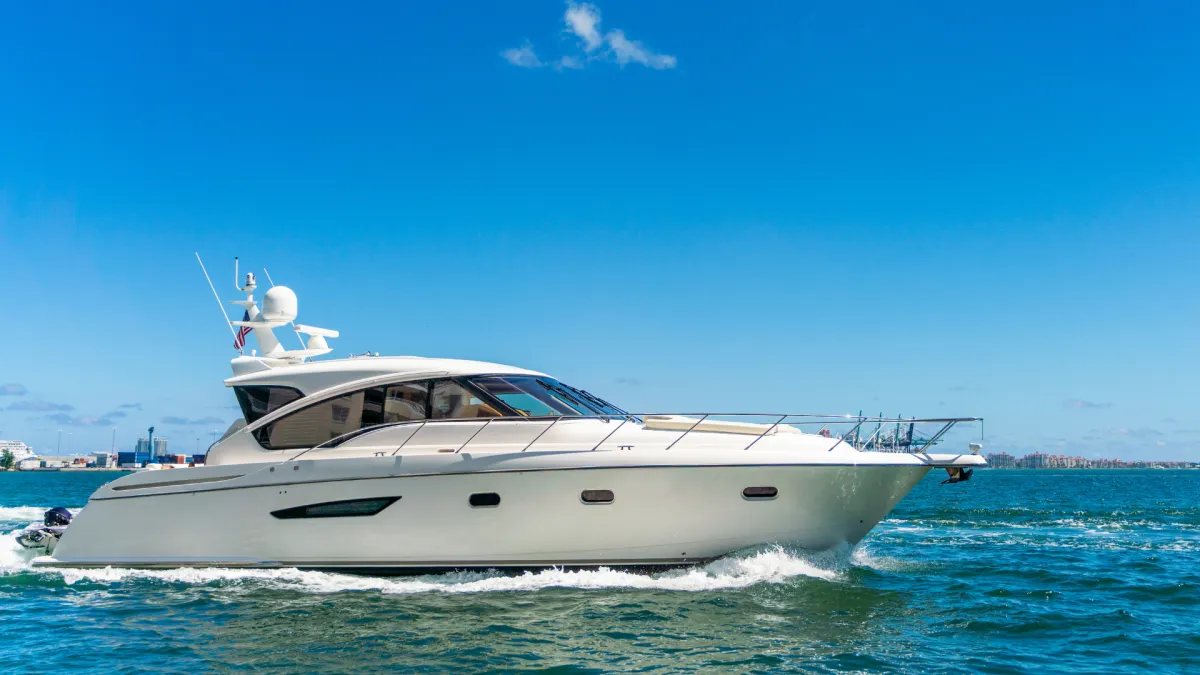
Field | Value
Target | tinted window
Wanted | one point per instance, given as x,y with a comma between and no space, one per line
531,396
484,499
596,496
395,403
764,492
345,509
405,402
451,400
315,424
256,402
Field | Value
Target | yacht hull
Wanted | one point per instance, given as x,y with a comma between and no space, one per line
659,516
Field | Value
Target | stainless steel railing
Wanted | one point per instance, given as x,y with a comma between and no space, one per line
851,437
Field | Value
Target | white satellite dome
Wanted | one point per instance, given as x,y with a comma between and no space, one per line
279,304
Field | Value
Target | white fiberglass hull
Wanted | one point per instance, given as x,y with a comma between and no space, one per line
660,515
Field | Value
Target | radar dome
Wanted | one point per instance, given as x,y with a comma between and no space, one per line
279,304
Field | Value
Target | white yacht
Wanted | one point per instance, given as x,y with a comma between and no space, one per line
407,465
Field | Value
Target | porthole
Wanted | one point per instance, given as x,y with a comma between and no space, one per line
343,509
484,499
596,496
764,492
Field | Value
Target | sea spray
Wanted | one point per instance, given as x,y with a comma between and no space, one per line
769,564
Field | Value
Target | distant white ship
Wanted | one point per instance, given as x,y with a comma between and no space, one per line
19,450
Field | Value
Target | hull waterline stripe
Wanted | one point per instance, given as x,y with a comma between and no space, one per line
416,567
173,483
497,471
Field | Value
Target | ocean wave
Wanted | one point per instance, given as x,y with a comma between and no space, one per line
23,514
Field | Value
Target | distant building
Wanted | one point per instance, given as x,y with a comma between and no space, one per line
57,461
145,453
1001,460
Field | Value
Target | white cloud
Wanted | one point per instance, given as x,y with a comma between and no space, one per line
1085,405
626,51
568,62
523,56
584,21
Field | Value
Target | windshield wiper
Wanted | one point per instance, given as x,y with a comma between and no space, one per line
604,405
571,399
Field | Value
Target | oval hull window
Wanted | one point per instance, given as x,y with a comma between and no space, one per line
764,492
596,496
484,499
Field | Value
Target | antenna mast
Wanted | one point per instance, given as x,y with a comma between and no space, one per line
215,295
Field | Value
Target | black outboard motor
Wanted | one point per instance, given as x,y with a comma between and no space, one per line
57,517
45,537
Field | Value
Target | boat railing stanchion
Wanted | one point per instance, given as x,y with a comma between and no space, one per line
535,438
872,437
410,437
847,434
706,415
769,430
477,432
936,436
610,434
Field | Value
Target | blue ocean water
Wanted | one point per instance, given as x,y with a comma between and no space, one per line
1013,572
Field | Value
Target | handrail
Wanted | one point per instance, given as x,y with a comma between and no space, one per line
806,418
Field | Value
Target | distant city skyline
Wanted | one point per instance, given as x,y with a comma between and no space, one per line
784,207
1041,460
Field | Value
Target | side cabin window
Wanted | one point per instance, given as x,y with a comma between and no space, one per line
402,402
257,402
315,424
451,400
395,403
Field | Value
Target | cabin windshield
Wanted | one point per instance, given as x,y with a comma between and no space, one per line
257,401
541,396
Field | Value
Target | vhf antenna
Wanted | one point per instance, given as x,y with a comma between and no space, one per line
215,295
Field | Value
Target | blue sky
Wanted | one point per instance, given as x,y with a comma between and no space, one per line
930,209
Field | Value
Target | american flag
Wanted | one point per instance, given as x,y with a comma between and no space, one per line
239,339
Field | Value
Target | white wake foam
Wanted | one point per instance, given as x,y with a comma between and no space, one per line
768,565
13,556
23,514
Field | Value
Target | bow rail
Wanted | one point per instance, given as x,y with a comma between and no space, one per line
890,434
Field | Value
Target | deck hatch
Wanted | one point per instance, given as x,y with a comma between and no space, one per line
763,492
348,508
